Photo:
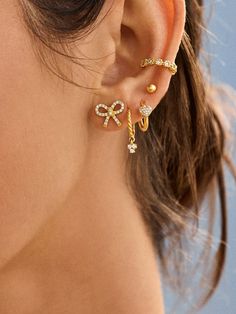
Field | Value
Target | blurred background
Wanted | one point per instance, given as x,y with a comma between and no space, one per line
221,46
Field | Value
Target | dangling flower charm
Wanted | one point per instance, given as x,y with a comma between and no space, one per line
110,112
132,148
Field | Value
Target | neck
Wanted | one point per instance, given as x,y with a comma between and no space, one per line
95,242
98,202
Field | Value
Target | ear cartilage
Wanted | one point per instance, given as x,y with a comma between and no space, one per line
171,66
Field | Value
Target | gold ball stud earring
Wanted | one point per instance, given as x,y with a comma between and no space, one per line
151,88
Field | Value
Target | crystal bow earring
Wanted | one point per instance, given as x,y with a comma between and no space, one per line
107,112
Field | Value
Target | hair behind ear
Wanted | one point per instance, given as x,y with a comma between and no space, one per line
178,160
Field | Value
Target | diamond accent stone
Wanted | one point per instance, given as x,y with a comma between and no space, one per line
132,148
145,110
167,64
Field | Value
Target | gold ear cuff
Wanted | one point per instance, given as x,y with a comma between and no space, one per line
171,66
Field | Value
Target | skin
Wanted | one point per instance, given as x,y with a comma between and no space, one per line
72,238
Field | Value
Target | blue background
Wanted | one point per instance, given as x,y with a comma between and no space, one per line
221,46
223,50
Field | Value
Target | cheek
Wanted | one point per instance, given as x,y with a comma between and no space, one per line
39,152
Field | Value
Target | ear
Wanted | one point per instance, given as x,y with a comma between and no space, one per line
140,29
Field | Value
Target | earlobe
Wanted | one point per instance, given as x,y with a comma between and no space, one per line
150,36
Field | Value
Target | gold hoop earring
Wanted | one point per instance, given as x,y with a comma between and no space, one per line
145,111
132,146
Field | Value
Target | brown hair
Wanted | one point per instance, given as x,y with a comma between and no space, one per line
180,159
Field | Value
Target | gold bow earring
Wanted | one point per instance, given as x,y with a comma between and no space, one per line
102,110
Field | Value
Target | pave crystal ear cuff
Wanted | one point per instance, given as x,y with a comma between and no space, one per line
171,66
107,112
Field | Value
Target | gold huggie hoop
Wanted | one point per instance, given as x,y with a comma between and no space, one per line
171,66
145,111
132,146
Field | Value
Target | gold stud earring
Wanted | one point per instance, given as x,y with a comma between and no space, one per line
110,112
151,88
145,111
132,146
